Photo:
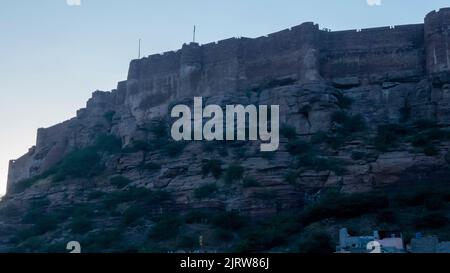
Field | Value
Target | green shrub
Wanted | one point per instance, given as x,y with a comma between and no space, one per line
32,243
434,202
233,173
102,241
137,194
159,128
413,196
81,224
319,163
431,220
9,211
82,163
298,147
58,177
316,242
223,234
205,191
270,233
174,149
267,155
291,177
430,150
387,216
358,155
258,239
120,182
151,166
305,110
24,184
288,132
138,145
228,220
212,146
108,116
197,216
166,228
250,182
348,125
265,195
108,143
156,197
339,117
425,124
335,140
320,137
425,139
95,195
132,215
36,210
343,101
188,242
405,112
389,135
42,225
335,205
124,196
213,167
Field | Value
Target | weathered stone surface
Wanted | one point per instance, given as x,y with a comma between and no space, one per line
386,73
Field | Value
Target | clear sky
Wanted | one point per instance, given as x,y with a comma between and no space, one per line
55,53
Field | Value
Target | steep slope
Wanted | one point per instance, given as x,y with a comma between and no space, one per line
113,178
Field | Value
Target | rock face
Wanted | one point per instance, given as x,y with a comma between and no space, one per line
383,76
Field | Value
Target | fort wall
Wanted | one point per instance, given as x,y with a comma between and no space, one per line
302,53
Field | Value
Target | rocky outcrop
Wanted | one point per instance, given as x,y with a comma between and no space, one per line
313,75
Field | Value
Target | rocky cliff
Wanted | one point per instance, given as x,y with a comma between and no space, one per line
362,110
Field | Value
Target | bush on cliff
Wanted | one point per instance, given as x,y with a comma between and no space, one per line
80,224
174,148
108,116
389,135
205,191
24,184
316,242
228,220
343,101
288,132
336,205
151,166
132,215
348,124
250,182
298,147
120,182
108,143
82,163
265,195
166,228
431,220
159,129
233,173
213,167
135,194
267,234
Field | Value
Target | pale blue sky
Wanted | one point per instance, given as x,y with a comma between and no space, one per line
52,55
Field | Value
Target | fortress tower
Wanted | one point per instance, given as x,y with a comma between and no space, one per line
190,67
437,32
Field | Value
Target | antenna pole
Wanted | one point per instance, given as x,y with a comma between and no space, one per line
194,34
139,50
